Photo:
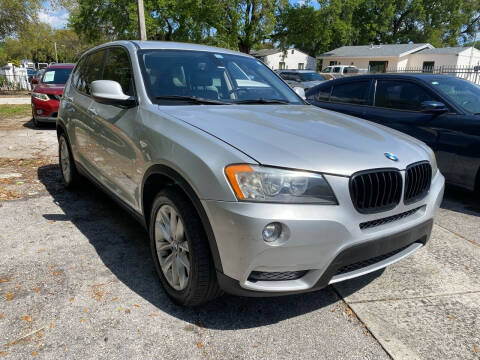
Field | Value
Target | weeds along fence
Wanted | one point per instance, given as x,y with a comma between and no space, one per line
14,83
471,73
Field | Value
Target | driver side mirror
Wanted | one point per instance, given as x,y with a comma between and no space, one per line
300,92
436,107
34,81
110,92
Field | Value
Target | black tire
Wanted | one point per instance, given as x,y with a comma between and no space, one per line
72,179
202,285
36,123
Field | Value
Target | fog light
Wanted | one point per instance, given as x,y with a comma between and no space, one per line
272,232
39,112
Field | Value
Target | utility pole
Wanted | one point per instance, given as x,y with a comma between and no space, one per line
141,21
56,55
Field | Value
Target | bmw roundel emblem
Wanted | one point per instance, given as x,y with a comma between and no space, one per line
391,156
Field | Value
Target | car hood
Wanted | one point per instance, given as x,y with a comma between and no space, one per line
54,89
304,137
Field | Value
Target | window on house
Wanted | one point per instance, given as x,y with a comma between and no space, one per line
333,63
428,66
301,66
351,93
281,65
378,66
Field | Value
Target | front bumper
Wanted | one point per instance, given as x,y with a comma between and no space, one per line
321,239
49,110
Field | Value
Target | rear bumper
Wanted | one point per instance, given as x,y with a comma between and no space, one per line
401,245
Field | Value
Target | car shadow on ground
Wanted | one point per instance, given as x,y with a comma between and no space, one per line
44,126
121,243
460,200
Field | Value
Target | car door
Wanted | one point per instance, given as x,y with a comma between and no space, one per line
398,104
86,125
346,97
118,153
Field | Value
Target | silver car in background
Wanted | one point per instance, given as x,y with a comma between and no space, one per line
243,186
305,79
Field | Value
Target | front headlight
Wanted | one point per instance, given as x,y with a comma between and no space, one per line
40,96
267,184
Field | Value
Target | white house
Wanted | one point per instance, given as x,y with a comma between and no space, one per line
289,59
379,58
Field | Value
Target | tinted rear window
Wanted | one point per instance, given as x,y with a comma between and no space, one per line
351,93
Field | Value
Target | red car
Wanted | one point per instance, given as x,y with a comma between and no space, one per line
48,92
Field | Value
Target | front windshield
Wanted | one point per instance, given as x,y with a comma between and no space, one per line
327,70
311,76
463,93
56,76
219,77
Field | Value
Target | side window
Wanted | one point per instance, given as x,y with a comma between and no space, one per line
76,73
336,69
401,95
94,69
323,94
351,93
118,68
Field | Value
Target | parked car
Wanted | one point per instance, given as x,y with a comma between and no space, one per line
37,77
442,111
243,189
341,70
30,74
47,93
302,78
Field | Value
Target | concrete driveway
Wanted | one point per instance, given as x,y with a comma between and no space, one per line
77,282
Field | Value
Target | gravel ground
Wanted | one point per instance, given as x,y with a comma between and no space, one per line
77,282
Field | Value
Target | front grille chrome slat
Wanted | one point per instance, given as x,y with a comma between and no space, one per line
375,191
418,177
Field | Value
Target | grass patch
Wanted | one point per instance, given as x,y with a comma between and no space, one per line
9,111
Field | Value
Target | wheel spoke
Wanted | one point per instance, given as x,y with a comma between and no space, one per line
182,258
161,232
167,263
175,274
173,223
182,277
163,246
184,246
179,233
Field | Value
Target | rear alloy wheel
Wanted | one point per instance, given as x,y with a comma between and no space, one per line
67,166
180,250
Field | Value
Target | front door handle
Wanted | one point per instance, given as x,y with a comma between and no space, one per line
92,111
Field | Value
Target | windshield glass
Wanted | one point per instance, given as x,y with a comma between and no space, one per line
310,76
462,92
170,75
56,76
327,70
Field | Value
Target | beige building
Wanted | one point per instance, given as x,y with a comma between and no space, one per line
278,59
380,58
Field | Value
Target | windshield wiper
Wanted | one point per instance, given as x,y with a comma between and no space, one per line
192,99
261,101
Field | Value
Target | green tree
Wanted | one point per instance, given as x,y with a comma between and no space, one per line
17,15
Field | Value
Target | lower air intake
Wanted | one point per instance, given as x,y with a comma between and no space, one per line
276,276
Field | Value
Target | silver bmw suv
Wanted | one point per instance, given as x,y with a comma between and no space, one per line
243,186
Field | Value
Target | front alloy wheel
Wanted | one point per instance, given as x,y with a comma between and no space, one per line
180,250
172,247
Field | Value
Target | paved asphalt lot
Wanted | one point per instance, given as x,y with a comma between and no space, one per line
77,282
